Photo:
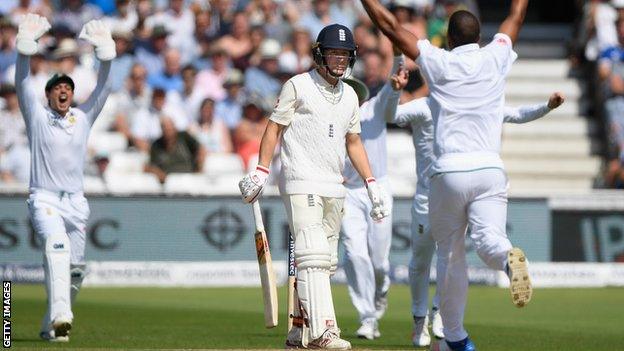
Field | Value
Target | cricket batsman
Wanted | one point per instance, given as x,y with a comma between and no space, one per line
57,134
317,120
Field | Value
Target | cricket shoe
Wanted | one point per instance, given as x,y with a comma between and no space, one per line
293,339
369,329
49,335
330,340
381,305
519,282
436,324
420,335
462,345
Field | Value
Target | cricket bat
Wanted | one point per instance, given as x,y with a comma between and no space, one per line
267,275
292,271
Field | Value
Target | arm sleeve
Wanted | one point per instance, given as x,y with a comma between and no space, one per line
430,61
25,94
354,123
411,112
502,49
97,99
284,110
524,114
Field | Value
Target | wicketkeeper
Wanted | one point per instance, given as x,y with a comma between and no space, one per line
57,134
317,119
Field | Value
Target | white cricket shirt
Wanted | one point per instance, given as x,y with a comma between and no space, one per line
58,145
467,88
317,117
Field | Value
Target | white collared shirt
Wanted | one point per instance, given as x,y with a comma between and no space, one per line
467,88
317,117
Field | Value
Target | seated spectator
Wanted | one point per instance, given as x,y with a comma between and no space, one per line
611,71
299,58
322,14
150,53
374,77
211,132
180,22
75,13
248,133
237,43
121,65
262,80
146,124
191,96
124,19
210,80
12,126
8,54
175,152
170,78
135,96
66,61
230,109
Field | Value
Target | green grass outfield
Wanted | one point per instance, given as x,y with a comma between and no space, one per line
231,318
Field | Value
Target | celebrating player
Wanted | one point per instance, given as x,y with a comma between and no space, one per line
367,242
317,118
468,184
58,134
417,115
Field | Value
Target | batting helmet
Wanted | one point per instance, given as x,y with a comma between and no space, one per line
334,36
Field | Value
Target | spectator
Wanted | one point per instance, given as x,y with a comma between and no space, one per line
175,152
237,43
191,97
248,133
65,58
253,57
211,132
374,77
611,71
600,31
170,78
24,7
134,97
180,23
262,80
322,14
266,13
150,54
205,29
122,64
146,124
211,80
75,13
8,55
298,59
230,109
125,18
14,151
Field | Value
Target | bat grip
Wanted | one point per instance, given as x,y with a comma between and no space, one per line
257,213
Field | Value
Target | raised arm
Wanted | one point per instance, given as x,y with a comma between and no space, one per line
30,30
388,24
98,34
512,24
524,114
385,103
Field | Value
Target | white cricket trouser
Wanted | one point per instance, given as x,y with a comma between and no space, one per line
367,247
458,199
53,212
59,213
310,214
423,247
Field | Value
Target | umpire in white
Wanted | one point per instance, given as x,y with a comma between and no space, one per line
57,135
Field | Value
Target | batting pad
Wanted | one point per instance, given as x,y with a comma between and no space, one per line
57,278
77,273
312,255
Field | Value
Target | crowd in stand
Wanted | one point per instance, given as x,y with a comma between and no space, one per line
193,77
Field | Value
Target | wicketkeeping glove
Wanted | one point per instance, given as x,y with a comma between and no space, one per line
98,34
252,185
377,195
30,30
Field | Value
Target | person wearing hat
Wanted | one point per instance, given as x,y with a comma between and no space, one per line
366,241
57,134
230,109
150,53
317,121
262,80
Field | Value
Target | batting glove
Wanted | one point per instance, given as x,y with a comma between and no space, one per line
30,30
377,195
98,34
252,185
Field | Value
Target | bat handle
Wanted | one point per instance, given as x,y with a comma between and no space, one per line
257,213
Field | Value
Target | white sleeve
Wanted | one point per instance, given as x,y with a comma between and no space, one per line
501,48
94,104
431,60
284,109
413,111
385,102
524,114
354,124
26,96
